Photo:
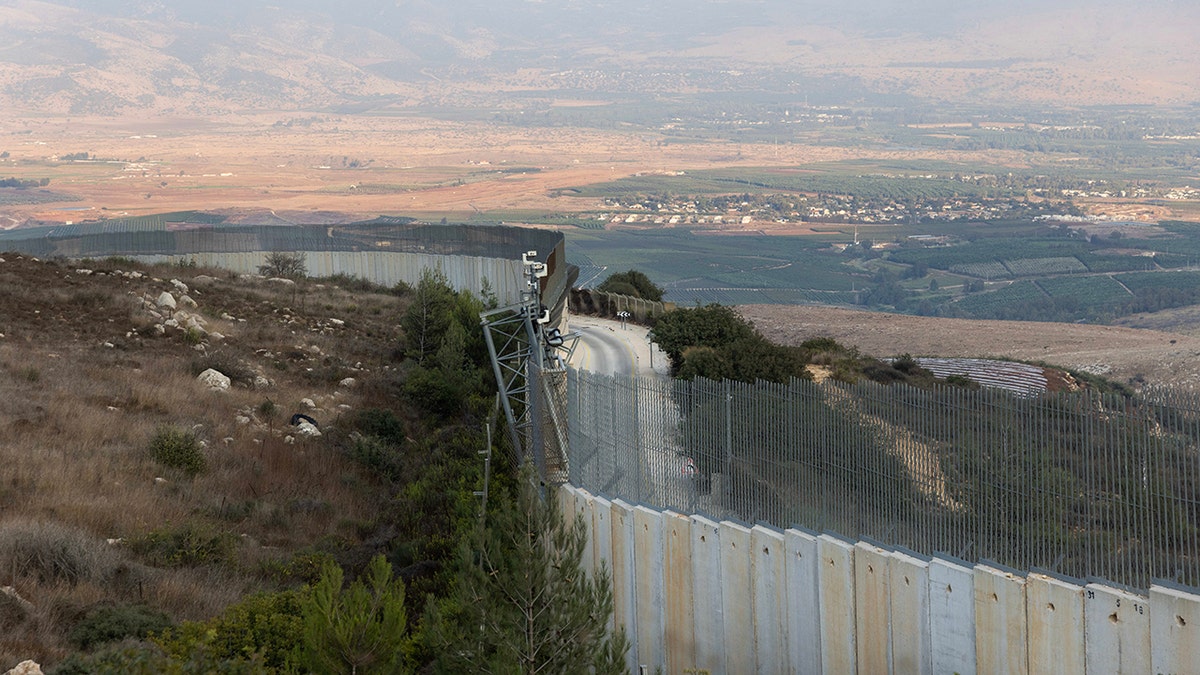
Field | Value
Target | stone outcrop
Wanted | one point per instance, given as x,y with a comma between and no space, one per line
28,667
215,380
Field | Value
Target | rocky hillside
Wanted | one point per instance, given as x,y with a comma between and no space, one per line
151,463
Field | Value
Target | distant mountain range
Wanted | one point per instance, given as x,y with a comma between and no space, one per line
184,57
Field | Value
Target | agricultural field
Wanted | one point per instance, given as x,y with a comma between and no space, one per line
1090,291
987,303
1036,267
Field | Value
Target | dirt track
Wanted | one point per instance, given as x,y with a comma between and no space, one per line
1121,354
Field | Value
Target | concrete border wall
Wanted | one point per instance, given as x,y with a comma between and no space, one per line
699,596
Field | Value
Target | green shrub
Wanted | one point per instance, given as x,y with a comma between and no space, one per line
109,623
189,545
132,657
263,626
178,449
381,458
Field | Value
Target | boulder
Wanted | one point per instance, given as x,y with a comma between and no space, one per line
182,287
187,301
166,301
308,429
27,667
262,382
348,382
308,403
282,281
214,380
203,279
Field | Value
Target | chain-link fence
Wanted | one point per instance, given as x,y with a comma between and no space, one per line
1083,484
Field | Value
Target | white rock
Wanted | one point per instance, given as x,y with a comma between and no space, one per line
136,275
166,300
343,407
187,301
171,323
84,272
216,336
194,323
203,279
227,440
337,322
160,329
3,260
214,380
289,439
281,280
26,667
308,403
306,428
262,382
226,317
183,288
242,419
109,345
115,542
348,382
159,480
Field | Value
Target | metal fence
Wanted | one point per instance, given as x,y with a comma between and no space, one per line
1082,484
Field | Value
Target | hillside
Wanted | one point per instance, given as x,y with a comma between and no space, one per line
131,484
1128,355
182,59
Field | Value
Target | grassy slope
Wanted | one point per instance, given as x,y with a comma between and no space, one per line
84,385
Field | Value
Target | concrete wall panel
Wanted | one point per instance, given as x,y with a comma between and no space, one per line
911,648
1117,631
708,595
583,510
1054,610
803,603
650,601
836,580
602,542
1174,631
737,599
679,639
872,608
767,571
623,573
952,617
1001,628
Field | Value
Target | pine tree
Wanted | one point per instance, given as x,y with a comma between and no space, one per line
358,630
522,602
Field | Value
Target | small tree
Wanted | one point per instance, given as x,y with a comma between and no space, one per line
522,602
357,630
285,265
633,283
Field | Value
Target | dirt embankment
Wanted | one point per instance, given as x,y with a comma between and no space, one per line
1127,355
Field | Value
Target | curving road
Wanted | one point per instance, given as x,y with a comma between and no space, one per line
647,460
606,347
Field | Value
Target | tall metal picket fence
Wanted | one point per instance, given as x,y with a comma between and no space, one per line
1082,484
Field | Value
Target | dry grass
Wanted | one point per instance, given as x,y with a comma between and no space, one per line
77,418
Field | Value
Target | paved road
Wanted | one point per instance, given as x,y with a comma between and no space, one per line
607,347
645,461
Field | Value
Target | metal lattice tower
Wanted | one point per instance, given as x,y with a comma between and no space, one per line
529,360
